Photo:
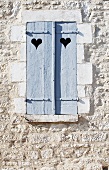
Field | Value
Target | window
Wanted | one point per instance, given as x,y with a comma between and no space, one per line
51,68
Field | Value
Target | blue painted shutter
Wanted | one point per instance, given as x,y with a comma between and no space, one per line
66,69
39,68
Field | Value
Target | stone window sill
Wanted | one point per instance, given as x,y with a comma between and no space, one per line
51,118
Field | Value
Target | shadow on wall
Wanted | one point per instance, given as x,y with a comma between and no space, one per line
80,33
81,101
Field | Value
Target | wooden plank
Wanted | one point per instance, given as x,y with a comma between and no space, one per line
53,67
48,68
39,73
66,69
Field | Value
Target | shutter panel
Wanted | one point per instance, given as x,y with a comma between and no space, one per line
66,68
39,71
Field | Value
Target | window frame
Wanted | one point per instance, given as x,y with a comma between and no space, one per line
84,69
58,105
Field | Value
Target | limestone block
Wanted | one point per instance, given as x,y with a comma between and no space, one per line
76,137
26,163
15,10
84,105
55,2
52,118
6,168
94,167
47,153
84,73
18,33
81,91
22,89
47,168
38,138
94,137
20,105
1,110
23,52
18,71
80,53
88,90
85,33
51,15
104,125
34,155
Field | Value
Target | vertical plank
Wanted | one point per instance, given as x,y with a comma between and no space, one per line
53,67
48,67
39,62
66,69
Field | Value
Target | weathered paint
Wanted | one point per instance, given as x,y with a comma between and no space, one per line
66,68
39,72
51,68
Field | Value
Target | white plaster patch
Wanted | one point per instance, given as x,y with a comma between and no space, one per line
23,52
16,8
18,72
22,89
80,53
51,15
20,105
18,33
81,91
85,33
52,118
84,73
84,105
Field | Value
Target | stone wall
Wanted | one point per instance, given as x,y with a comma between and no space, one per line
81,145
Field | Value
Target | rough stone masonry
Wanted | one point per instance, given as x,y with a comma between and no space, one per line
79,145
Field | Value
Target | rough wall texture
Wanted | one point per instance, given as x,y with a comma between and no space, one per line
71,146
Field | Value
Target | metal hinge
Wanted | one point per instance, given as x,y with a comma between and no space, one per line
47,32
47,99
37,99
62,99
43,32
72,32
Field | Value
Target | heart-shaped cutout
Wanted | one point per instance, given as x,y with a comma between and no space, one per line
65,42
35,42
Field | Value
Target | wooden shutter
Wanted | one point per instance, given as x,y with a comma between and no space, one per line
66,68
39,68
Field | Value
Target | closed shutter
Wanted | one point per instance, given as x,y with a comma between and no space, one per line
39,68
51,68
66,68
